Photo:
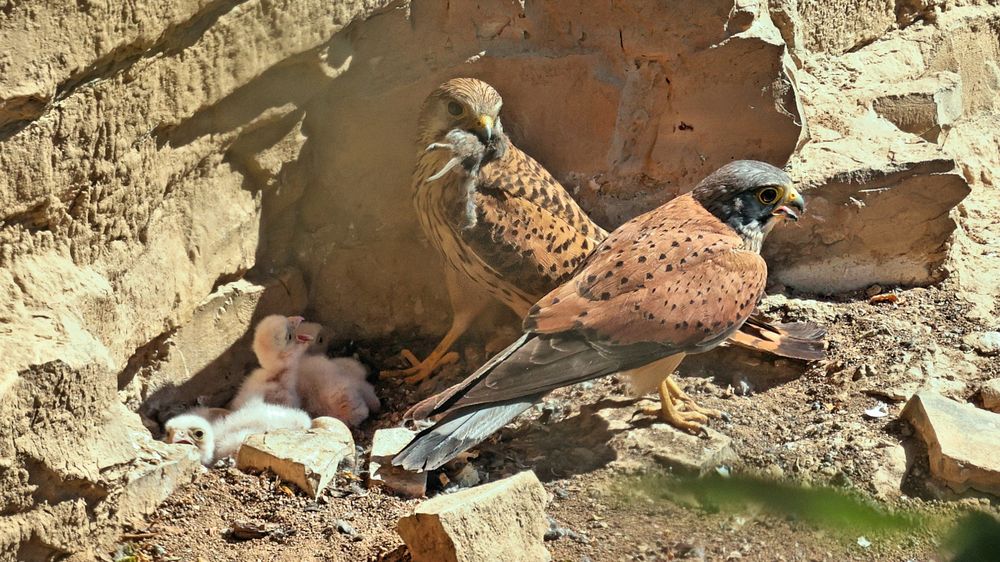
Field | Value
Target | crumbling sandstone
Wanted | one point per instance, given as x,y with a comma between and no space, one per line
961,441
381,472
491,522
308,458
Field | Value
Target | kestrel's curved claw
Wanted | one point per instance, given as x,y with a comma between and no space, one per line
692,418
420,370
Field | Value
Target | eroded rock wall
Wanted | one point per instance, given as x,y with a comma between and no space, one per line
169,174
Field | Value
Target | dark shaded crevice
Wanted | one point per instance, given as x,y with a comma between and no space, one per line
227,278
52,489
34,549
18,113
143,356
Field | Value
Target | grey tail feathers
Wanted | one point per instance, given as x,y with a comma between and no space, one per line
458,432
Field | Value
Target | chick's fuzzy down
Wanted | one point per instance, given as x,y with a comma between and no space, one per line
337,388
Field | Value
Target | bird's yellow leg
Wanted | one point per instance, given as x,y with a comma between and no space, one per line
675,390
690,421
420,370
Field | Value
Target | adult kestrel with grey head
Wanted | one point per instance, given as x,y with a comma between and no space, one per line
678,280
507,230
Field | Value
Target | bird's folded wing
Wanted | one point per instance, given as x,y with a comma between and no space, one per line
676,276
528,228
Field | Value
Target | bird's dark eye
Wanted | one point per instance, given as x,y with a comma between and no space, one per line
455,108
198,434
769,195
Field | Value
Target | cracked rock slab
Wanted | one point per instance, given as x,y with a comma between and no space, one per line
487,523
385,444
962,444
307,458
665,445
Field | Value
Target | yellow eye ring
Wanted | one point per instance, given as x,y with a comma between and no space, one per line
455,108
769,195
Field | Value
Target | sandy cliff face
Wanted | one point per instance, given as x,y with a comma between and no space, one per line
170,174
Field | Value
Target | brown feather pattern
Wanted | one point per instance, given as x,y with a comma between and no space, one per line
676,274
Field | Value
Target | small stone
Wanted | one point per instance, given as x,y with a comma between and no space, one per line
308,458
385,444
890,472
985,343
873,290
345,528
677,450
487,523
774,472
961,441
990,395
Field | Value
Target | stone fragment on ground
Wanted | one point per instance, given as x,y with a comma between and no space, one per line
664,444
891,470
381,472
492,522
989,393
985,343
308,458
963,442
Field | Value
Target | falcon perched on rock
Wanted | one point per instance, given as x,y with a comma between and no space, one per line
677,280
507,229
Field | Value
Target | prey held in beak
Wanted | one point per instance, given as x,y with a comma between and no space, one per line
792,206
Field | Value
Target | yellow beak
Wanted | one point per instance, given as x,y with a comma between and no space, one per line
484,127
792,205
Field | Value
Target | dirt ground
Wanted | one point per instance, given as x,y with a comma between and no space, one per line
810,430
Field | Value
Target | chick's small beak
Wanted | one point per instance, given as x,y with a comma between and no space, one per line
180,438
792,205
484,128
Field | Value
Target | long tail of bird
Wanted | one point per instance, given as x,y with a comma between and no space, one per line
499,391
798,340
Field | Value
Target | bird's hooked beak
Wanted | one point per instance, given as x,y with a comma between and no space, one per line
484,129
791,206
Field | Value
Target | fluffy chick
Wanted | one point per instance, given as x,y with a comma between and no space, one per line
336,388
192,429
222,437
278,349
255,417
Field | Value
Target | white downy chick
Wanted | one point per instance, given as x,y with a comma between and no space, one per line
255,417
192,429
336,388
278,349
